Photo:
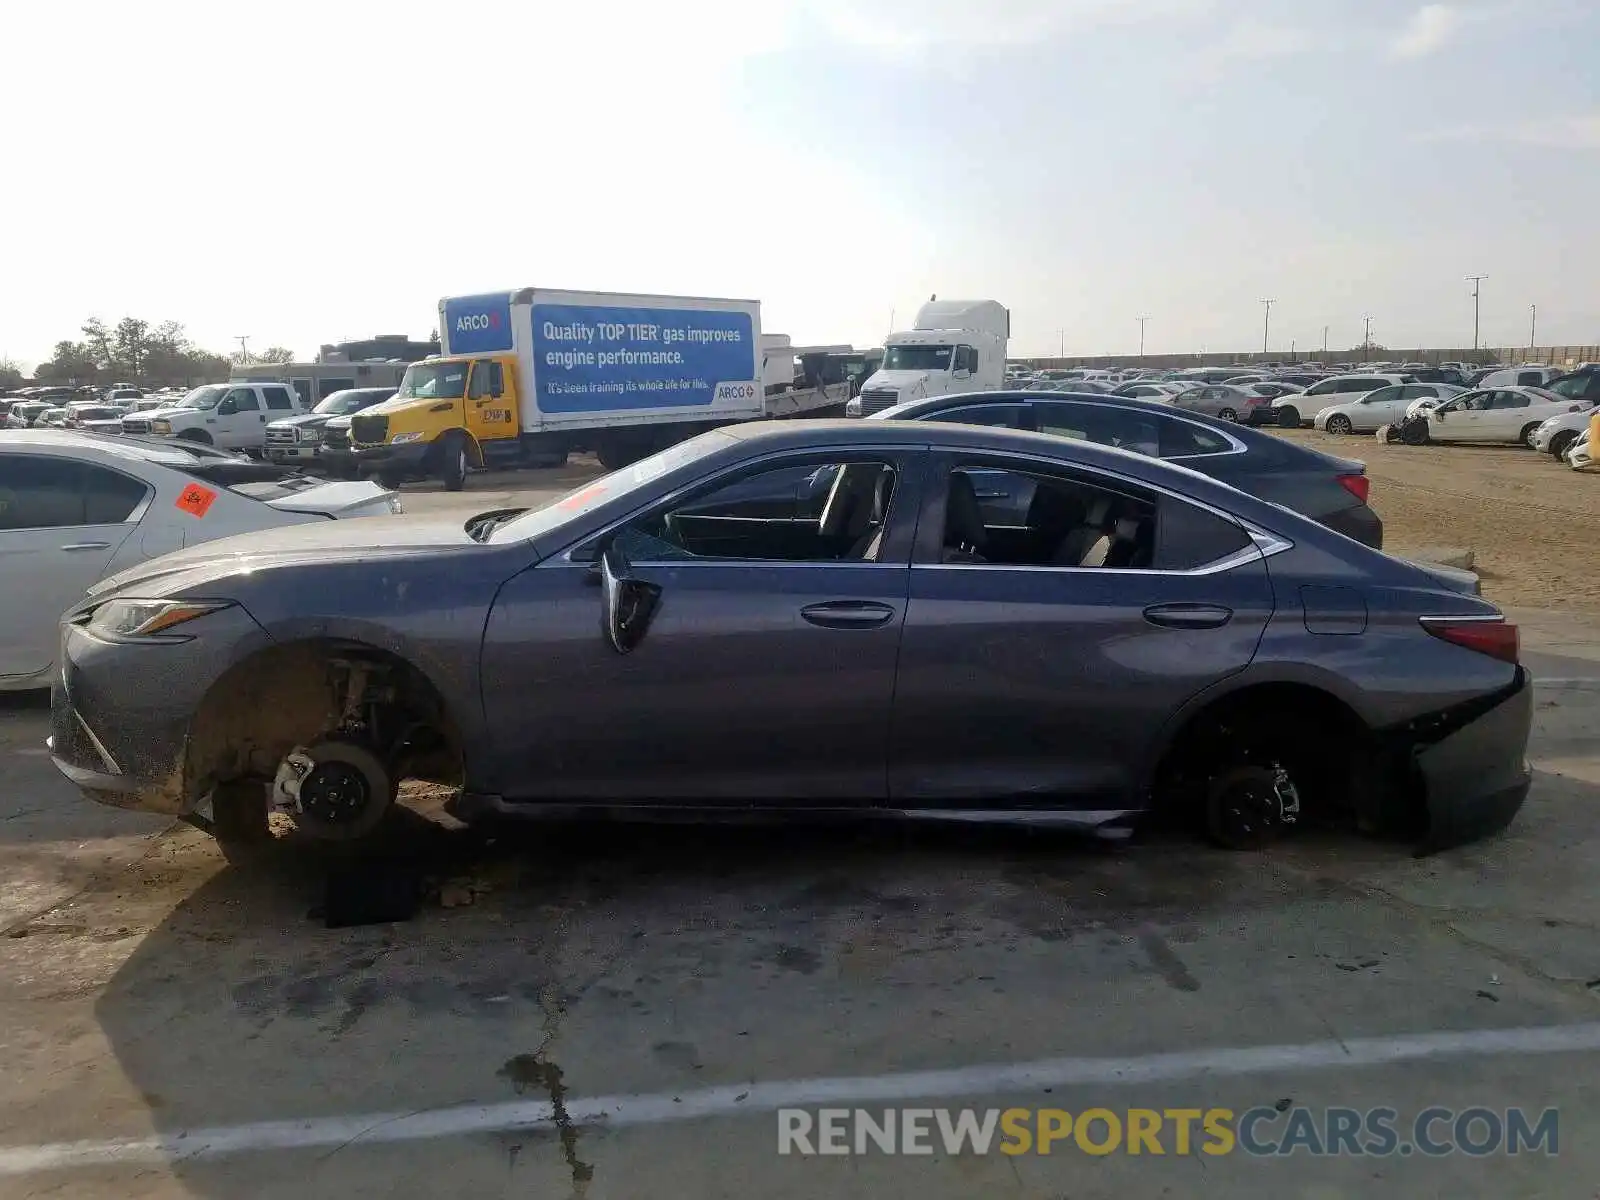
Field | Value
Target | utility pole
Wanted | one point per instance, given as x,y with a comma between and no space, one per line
1063,333
1324,339
1533,324
1292,344
1266,324
244,353
1366,338
1475,280
1141,321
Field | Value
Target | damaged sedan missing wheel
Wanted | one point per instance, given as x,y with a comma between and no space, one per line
887,619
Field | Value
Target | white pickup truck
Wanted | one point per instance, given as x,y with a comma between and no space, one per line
233,416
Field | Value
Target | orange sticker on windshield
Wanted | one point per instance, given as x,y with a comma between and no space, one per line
579,499
195,500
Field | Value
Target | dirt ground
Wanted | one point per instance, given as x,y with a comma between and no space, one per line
1529,520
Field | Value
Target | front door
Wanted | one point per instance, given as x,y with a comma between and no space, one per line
1043,677
766,671
60,524
239,421
490,411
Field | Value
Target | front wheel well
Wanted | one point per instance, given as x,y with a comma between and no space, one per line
1340,768
294,694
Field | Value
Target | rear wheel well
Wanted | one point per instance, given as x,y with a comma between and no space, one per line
1339,768
292,695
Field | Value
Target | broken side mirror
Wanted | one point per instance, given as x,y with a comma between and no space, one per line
626,603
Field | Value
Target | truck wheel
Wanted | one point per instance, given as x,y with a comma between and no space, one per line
613,453
195,435
453,467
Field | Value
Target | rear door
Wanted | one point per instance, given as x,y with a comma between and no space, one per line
60,524
1029,680
1506,415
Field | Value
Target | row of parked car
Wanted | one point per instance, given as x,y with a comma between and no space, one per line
1536,406
265,420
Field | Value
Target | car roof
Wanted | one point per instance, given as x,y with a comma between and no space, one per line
67,442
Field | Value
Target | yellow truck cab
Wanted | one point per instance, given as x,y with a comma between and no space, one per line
450,414
526,377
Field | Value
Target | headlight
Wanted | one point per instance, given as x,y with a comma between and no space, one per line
160,426
142,618
310,435
401,439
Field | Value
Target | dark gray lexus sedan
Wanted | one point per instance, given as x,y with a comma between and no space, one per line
834,616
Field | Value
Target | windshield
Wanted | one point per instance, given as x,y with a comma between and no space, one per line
203,397
340,403
520,526
916,358
434,381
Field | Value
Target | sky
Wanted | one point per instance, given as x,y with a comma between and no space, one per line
299,173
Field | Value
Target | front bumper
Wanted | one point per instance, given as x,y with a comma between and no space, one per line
1476,778
120,711
404,460
297,453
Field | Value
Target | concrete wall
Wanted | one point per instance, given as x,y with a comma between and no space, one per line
1561,356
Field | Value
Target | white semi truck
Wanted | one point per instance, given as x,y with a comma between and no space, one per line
954,346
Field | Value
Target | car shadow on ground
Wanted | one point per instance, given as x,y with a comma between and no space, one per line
240,1005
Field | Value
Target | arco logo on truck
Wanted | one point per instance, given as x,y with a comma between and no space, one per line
472,321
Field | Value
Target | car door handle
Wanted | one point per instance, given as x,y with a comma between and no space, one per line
993,495
88,546
848,614
1188,616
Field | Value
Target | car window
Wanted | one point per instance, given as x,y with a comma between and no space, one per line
1386,394
277,398
1359,384
1509,400
42,492
1107,426
39,493
808,510
1533,377
1072,520
1007,415
109,497
1184,439
244,399
1326,387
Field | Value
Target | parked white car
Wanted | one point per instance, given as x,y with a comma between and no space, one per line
1386,406
233,416
1525,376
1302,409
1507,414
1558,433
1579,455
74,509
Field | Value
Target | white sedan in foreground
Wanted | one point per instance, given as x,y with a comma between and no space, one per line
75,508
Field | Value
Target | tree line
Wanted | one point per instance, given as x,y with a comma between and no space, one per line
137,352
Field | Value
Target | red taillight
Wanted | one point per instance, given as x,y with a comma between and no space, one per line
1497,639
1358,486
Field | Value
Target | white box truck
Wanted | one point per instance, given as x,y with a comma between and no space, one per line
953,346
526,377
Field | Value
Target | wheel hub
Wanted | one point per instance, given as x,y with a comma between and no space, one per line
335,793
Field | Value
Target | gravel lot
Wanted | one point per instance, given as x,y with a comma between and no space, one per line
148,990
1530,521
